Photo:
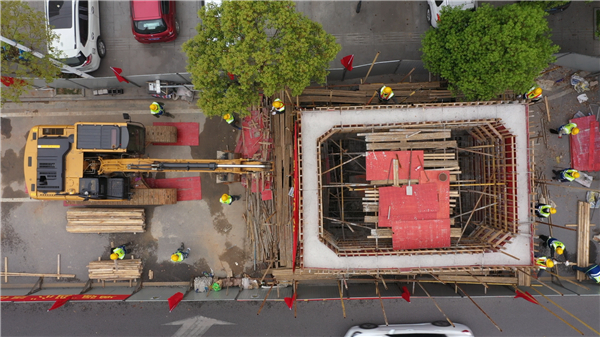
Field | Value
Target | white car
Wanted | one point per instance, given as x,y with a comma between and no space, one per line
434,8
77,24
437,328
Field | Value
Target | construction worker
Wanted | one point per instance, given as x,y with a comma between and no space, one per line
229,199
180,254
385,93
567,129
119,252
593,271
554,245
534,94
543,262
566,175
157,109
231,120
544,210
278,107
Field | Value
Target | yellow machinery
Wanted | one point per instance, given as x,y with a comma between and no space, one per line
97,163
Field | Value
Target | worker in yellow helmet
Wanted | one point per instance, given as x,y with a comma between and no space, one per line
544,210
278,107
157,109
566,175
231,120
543,262
229,199
567,129
119,252
534,94
385,93
181,254
554,245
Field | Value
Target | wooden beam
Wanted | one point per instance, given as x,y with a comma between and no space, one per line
486,315
413,145
570,314
6,274
436,305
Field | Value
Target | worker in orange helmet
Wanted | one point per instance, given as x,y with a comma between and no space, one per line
229,199
181,254
534,94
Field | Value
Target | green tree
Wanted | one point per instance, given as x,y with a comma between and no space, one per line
26,26
267,45
482,53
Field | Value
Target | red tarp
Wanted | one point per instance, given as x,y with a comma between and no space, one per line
421,205
379,164
421,234
188,188
187,133
585,146
252,134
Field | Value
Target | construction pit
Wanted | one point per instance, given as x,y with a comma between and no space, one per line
465,213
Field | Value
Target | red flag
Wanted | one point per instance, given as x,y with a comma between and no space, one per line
231,76
59,303
174,300
347,62
405,294
290,301
118,72
526,295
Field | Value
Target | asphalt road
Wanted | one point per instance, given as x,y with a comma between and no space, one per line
515,317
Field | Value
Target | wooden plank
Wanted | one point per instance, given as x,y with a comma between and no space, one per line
141,196
413,145
400,86
371,218
328,92
407,136
479,279
583,237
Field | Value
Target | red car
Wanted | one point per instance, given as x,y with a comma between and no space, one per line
154,21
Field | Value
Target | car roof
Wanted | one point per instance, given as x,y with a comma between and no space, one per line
67,41
145,10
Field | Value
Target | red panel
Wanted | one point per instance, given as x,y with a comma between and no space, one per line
422,204
187,133
421,234
379,164
252,134
585,146
187,188
267,195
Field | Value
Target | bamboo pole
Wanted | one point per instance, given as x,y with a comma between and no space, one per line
541,305
553,225
58,268
563,309
265,300
410,72
6,269
475,277
547,182
470,216
436,305
566,279
542,283
381,301
486,315
5,274
370,68
342,298
295,297
346,162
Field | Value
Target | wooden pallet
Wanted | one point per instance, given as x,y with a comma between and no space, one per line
106,220
141,196
115,270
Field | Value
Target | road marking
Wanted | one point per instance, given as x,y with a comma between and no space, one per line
196,326
17,200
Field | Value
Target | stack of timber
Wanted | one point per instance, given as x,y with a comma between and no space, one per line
106,220
161,134
115,270
419,92
583,237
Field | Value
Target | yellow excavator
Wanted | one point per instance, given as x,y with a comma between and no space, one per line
104,164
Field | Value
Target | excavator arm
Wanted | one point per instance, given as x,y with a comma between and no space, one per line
238,166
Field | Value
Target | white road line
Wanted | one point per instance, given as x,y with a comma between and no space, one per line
17,200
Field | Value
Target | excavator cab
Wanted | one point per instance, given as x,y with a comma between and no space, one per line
104,188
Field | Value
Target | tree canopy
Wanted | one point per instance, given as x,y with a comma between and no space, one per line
265,46
485,52
26,26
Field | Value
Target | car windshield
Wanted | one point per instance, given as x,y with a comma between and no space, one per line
60,14
75,61
150,26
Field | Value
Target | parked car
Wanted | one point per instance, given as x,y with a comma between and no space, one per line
77,24
434,8
438,328
154,21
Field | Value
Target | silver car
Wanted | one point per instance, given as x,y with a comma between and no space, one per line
437,328
435,6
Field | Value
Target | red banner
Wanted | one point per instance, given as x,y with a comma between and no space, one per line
296,199
52,298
